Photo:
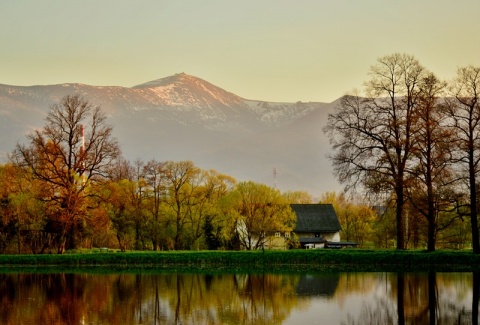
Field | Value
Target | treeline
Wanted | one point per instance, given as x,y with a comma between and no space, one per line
140,206
414,141
410,141
70,188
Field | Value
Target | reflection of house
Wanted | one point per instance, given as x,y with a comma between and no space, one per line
320,285
316,224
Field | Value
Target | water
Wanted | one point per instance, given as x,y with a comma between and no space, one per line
317,298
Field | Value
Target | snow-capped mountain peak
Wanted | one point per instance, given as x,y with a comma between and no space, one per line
178,78
183,90
183,117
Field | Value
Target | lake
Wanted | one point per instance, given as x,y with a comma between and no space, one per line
226,298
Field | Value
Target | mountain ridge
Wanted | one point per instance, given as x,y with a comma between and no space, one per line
182,117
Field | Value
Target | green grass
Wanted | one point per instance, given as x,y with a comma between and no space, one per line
274,261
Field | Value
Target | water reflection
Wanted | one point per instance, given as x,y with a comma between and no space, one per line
324,298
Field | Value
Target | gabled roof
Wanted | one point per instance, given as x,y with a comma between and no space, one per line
315,218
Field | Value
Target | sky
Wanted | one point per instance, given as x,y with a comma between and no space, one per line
272,50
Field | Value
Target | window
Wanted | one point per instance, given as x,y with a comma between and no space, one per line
277,234
287,235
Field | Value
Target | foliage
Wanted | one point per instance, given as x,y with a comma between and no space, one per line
258,212
410,138
212,238
357,220
66,162
121,209
298,197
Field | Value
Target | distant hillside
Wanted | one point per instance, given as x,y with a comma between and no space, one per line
183,117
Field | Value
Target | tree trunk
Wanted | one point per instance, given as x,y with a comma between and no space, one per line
431,234
473,215
399,215
431,221
473,200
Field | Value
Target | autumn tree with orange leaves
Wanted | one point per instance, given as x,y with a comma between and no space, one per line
67,160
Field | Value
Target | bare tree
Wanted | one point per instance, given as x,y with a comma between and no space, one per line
432,172
464,110
67,160
373,135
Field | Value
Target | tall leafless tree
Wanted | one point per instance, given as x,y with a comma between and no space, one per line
432,172
464,111
372,135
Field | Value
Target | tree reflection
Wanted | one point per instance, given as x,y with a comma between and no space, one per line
432,297
388,298
400,298
380,312
36,298
475,297
415,298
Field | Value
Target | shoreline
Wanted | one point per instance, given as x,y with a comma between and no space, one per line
347,260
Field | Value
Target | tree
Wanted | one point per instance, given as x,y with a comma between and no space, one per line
9,217
258,211
464,111
118,201
432,172
298,197
139,197
212,238
356,220
120,208
373,136
384,226
179,177
67,160
205,191
154,174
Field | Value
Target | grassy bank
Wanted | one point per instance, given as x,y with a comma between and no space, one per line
275,261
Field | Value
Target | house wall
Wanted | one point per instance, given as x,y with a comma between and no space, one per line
273,242
335,237
314,246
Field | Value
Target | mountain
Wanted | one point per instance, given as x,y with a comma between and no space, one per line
182,117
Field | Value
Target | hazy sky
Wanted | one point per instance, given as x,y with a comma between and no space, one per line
275,50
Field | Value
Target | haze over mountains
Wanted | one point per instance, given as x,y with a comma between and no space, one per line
183,117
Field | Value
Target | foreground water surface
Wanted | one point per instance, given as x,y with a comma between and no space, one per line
260,298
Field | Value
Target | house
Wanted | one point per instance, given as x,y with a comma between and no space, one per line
317,225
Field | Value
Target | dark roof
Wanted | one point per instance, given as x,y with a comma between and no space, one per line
315,218
311,240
